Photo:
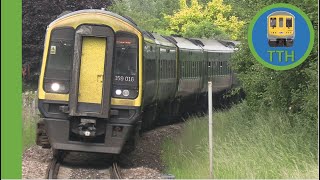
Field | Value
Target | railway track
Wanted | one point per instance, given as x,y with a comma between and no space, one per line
115,173
53,169
57,164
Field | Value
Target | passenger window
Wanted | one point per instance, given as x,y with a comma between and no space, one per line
280,22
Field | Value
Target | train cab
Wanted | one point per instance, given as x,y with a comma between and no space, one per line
281,29
90,86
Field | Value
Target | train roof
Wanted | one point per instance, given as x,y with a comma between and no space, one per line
124,18
280,13
148,36
184,43
214,45
231,44
162,41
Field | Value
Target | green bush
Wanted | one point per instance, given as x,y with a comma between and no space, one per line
292,91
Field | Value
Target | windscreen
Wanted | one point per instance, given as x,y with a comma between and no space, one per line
60,54
126,58
273,22
289,22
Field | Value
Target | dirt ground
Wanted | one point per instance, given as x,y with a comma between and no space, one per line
143,163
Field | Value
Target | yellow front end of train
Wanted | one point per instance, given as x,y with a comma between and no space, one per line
90,86
281,29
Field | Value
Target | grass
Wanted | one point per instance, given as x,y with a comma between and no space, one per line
247,144
29,119
29,132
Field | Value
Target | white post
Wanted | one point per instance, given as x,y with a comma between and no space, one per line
210,128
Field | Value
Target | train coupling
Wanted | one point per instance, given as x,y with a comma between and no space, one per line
87,127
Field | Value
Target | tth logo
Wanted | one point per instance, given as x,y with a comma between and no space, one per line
281,36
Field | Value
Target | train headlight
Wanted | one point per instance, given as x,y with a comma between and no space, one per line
125,93
56,87
118,92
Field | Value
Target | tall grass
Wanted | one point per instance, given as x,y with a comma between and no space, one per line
247,144
30,118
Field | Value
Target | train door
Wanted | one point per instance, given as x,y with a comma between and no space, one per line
281,25
91,69
204,71
157,51
91,75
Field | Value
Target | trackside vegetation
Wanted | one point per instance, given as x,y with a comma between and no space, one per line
247,144
275,134
30,118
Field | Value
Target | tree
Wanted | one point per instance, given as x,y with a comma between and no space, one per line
209,20
147,14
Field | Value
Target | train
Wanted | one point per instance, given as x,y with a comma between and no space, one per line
281,29
104,80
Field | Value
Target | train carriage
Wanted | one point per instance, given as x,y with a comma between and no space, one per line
191,57
218,70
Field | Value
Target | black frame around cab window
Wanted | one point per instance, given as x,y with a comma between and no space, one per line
288,22
273,22
125,64
60,54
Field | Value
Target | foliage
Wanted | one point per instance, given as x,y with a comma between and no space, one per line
292,91
247,144
212,18
30,118
148,14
